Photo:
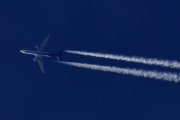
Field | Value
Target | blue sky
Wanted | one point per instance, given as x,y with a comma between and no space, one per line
146,28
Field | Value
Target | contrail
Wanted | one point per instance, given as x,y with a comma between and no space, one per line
128,71
149,61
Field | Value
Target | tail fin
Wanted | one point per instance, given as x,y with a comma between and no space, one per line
59,55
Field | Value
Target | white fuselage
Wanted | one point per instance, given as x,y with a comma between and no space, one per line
33,52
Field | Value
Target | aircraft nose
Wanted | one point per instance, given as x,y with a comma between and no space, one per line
22,51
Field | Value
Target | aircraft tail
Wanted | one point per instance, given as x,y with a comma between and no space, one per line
59,55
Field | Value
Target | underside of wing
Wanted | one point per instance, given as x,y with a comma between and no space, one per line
43,44
40,62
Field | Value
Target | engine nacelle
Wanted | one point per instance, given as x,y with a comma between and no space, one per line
34,59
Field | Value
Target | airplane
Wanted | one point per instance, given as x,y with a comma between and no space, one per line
39,53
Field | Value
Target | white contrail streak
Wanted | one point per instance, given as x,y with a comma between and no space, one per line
149,61
128,71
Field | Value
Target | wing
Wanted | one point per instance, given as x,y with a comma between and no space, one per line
43,44
41,65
